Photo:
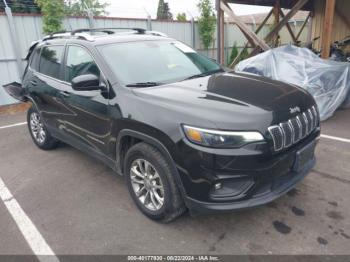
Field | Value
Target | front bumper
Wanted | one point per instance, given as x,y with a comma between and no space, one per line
278,187
248,180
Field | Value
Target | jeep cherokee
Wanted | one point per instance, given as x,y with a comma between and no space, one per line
185,132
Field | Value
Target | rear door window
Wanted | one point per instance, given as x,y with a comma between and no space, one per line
51,60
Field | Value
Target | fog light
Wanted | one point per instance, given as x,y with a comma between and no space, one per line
217,186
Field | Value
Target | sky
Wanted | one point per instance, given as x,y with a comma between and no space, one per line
140,8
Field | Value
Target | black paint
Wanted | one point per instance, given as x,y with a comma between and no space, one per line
333,203
281,227
272,205
293,192
298,211
345,235
322,241
335,215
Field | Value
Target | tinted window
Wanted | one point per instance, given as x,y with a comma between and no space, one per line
155,61
51,60
79,62
34,63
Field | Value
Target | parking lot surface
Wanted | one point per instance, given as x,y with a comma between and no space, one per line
80,206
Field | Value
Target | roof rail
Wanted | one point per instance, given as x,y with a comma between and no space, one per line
83,33
108,30
156,33
67,34
58,34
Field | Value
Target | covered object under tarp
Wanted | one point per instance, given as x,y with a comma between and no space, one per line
328,81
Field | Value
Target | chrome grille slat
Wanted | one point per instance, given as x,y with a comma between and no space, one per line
303,125
300,127
277,136
287,133
296,129
306,122
316,119
310,120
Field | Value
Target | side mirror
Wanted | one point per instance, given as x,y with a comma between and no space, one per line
87,82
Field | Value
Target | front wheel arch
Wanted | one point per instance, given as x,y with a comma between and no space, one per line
137,137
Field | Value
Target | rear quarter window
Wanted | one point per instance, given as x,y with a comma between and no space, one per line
34,62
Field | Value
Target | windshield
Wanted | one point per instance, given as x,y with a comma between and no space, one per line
155,62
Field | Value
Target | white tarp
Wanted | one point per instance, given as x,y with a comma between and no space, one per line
328,81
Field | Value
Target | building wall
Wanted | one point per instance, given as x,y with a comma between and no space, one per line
340,29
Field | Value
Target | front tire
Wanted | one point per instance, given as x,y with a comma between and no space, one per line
151,183
39,133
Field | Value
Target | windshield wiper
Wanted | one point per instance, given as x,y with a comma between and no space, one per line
204,74
144,84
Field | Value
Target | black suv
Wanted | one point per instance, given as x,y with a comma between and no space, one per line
185,132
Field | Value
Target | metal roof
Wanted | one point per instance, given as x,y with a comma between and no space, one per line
288,4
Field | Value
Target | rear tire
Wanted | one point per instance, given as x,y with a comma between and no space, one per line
39,133
151,183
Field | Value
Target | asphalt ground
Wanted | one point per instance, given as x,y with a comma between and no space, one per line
77,205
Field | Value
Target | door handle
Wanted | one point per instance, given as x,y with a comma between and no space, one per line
33,82
65,93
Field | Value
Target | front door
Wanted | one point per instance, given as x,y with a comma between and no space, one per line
89,122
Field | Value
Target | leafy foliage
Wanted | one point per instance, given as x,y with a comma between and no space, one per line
53,13
79,7
234,54
181,17
206,22
163,11
20,6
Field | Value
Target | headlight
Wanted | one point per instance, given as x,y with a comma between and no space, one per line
220,139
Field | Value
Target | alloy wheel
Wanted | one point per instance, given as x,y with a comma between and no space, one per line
37,128
147,184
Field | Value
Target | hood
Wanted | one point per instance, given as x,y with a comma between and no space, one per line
233,100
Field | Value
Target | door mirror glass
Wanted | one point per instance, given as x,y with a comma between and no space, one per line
87,82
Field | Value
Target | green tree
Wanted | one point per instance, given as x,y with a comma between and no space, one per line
234,53
206,22
163,11
79,7
53,14
20,6
181,17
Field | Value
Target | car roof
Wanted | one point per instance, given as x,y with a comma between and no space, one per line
108,39
98,38
119,38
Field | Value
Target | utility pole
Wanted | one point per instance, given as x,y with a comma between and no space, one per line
193,31
149,20
90,16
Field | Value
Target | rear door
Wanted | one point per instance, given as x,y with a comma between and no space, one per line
89,122
45,83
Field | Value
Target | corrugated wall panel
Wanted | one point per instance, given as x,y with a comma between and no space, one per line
8,73
6,50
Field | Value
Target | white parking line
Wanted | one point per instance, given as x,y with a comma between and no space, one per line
31,234
336,138
13,125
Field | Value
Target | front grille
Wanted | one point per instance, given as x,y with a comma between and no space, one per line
290,132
